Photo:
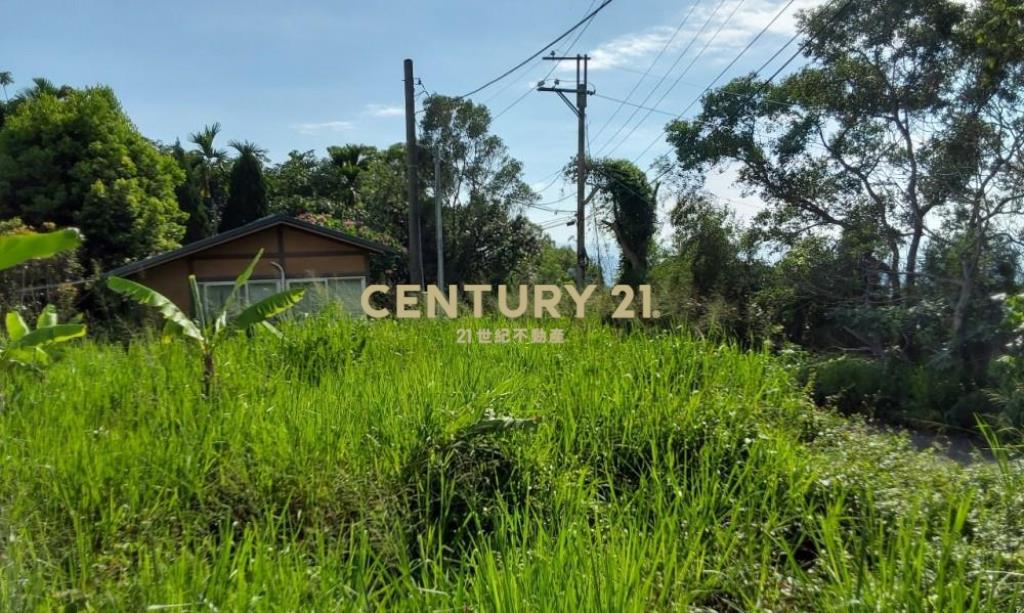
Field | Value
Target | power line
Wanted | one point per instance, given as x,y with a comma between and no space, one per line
664,48
707,44
728,67
549,73
766,82
678,59
538,53
633,104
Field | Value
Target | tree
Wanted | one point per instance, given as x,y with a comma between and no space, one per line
72,158
350,162
905,118
475,164
189,193
483,244
5,80
211,170
486,235
247,194
627,206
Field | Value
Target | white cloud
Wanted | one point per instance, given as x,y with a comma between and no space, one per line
326,126
384,110
625,50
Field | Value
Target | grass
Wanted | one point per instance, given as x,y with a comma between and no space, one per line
360,466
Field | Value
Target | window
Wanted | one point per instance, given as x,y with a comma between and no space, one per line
215,293
320,291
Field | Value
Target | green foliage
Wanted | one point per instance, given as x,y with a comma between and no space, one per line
629,210
24,347
666,474
210,329
18,248
247,192
897,137
190,195
486,236
72,158
210,167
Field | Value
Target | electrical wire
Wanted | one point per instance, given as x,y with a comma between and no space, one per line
547,76
542,50
633,104
721,74
650,67
835,15
679,58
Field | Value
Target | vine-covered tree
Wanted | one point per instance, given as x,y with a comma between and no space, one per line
627,207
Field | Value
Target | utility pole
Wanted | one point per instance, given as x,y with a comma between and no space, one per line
415,249
437,216
580,109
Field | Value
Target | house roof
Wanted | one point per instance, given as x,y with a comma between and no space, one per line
249,228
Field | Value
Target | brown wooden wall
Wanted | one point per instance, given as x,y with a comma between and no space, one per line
301,253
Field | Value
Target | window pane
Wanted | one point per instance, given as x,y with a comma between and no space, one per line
215,296
348,291
258,290
321,291
313,299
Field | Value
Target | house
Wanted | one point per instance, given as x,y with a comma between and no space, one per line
331,265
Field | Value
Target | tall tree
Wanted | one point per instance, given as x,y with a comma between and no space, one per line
210,167
627,207
5,80
847,140
72,157
903,128
190,195
247,192
483,194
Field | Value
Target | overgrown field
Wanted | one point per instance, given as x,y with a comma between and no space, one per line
365,465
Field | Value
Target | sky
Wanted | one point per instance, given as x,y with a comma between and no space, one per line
306,75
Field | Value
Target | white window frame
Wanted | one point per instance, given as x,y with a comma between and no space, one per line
203,285
324,280
244,294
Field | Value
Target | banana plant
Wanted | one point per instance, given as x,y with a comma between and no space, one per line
208,329
24,347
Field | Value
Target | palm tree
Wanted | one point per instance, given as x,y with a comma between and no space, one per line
247,195
209,158
351,161
249,148
5,80
41,87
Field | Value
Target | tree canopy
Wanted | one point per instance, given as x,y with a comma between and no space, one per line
72,158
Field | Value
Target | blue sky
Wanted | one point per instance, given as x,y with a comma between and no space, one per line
305,75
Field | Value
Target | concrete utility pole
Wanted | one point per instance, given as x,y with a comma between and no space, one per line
415,248
580,109
437,216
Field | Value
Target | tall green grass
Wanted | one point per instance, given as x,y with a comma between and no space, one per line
360,465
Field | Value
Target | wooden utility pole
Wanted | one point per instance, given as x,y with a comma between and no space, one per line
580,109
415,249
